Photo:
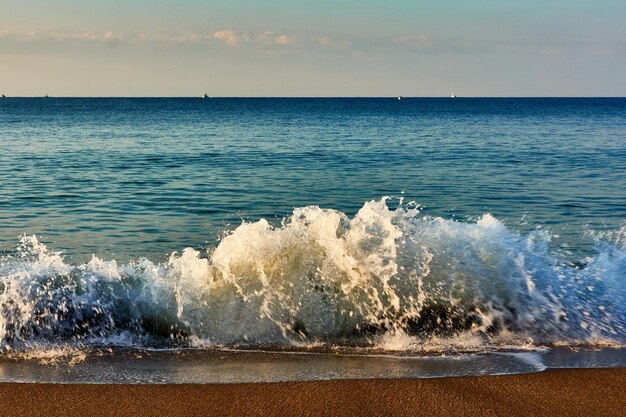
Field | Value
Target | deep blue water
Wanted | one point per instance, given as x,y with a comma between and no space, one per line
143,177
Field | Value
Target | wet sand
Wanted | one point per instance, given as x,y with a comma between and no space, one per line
554,392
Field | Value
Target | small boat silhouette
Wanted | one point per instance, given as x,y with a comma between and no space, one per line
205,95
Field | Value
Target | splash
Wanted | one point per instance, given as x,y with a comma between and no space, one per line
383,279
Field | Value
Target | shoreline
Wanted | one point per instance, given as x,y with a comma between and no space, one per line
551,392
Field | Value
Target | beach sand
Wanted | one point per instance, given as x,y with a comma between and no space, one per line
581,392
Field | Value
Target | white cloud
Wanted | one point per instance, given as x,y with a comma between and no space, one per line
232,38
112,39
283,40
227,36
264,38
56,36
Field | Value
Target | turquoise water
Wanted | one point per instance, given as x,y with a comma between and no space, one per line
124,178
420,226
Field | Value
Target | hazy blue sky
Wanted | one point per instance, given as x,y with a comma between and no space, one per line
314,48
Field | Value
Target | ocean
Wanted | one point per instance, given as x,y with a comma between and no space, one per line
448,236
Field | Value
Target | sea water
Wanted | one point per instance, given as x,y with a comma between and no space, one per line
364,228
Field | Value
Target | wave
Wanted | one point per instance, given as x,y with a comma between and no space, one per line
386,279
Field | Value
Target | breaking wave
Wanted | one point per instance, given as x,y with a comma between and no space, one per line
385,279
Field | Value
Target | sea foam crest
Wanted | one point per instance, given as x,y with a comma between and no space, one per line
384,278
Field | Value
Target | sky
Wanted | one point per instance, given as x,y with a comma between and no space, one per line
313,48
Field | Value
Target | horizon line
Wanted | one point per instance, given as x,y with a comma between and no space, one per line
312,97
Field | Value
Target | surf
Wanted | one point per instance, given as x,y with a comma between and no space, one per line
385,279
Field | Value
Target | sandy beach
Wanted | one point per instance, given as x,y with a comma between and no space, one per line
554,392
280,208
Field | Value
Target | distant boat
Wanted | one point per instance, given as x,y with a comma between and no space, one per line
205,95
46,96
400,97
3,96
452,95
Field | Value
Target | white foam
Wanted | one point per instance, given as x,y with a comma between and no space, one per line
384,278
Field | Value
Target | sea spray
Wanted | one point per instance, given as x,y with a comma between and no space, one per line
383,279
